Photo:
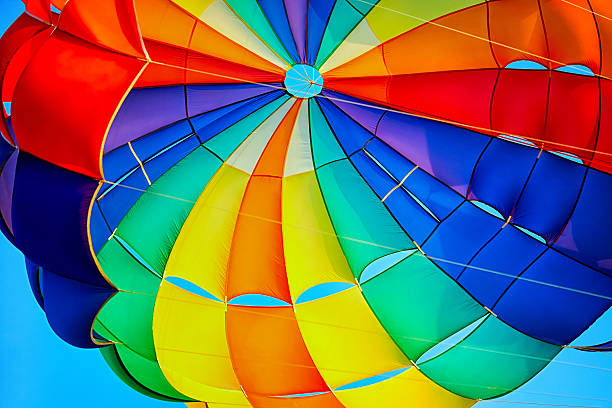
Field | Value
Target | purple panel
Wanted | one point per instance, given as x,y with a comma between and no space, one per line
7,180
204,98
296,14
143,111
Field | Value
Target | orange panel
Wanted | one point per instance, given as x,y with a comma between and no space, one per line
66,99
572,33
164,21
603,8
257,262
111,24
517,24
207,41
268,352
458,41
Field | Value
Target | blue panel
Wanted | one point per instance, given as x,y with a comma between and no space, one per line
351,136
417,223
501,174
158,165
447,152
323,290
460,236
509,253
211,123
588,235
367,115
98,228
71,307
318,16
156,141
550,196
119,199
275,12
550,311
439,198
50,206
117,163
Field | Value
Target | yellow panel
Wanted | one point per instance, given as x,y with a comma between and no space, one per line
345,340
394,17
408,389
220,17
197,258
312,252
191,347
358,42
195,7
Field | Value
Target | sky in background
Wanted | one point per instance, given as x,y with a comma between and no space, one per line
37,369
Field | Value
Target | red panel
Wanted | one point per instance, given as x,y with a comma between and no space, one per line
109,23
39,8
602,160
16,49
268,353
459,96
519,103
573,113
66,99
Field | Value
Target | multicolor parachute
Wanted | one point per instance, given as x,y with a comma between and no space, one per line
313,203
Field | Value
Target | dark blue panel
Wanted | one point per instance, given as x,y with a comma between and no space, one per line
5,149
460,236
351,136
156,141
367,116
588,235
7,180
119,199
550,195
158,165
34,272
509,253
98,228
71,307
275,12
417,223
439,198
501,174
550,311
447,152
50,206
210,124
318,16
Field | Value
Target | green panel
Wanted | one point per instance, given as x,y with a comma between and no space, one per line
325,147
128,318
494,360
365,228
250,12
154,222
147,373
344,18
419,305
125,271
114,362
227,141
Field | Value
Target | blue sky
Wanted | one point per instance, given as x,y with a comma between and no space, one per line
37,369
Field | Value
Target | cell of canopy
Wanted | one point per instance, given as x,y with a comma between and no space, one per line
427,181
